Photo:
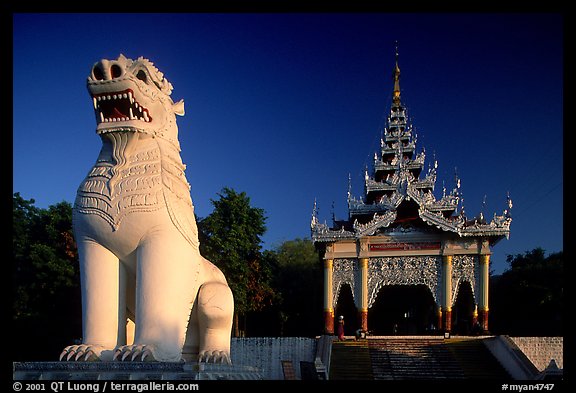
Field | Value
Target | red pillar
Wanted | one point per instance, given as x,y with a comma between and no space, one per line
363,320
329,322
484,319
447,320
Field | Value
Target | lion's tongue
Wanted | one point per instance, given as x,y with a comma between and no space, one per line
117,113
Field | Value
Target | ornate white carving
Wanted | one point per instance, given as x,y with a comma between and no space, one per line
499,226
322,233
437,219
345,271
464,268
410,270
404,271
447,202
379,221
113,191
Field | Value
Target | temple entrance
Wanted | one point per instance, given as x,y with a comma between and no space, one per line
399,235
463,310
345,306
402,310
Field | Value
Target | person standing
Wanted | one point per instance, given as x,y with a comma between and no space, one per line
341,328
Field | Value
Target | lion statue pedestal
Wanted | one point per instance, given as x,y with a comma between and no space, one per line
131,371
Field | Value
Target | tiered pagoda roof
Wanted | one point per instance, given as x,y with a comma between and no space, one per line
399,194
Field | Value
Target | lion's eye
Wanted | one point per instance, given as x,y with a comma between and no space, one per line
115,71
142,76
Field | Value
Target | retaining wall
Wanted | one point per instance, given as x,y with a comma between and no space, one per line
266,353
540,350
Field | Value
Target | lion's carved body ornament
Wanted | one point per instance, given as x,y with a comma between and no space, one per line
136,232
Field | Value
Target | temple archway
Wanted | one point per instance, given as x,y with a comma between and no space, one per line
403,310
345,306
463,310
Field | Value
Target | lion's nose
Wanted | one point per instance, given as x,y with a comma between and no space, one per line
107,70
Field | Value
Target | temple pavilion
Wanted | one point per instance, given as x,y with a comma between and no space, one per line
399,234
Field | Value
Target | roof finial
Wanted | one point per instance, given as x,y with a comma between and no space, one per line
314,220
349,186
396,98
509,201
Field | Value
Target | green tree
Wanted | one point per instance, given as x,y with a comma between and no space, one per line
230,237
46,283
527,298
299,282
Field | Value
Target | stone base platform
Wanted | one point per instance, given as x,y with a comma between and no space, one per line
118,371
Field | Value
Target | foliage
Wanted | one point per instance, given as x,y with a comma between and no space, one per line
46,284
230,237
44,252
527,299
299,281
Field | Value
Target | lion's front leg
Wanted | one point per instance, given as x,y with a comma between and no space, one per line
102,304
166,275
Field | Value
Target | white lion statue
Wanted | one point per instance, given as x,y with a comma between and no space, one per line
147,293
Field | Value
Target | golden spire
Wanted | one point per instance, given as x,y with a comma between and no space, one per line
396,98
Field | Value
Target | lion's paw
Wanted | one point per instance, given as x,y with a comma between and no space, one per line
134,353
82,352
221,357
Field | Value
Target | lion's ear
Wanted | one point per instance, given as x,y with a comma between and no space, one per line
178,108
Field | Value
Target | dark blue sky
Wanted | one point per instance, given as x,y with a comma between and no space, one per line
286,106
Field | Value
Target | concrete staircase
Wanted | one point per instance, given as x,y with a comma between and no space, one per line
350,359
413,358
475,359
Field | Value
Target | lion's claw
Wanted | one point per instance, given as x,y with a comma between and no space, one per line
134,353
82,352
221,357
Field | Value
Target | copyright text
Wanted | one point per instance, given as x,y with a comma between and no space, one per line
105,386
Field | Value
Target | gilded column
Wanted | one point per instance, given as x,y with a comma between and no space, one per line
484,283
328,306
447,292
363,309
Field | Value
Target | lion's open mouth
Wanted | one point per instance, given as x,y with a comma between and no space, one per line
119,106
